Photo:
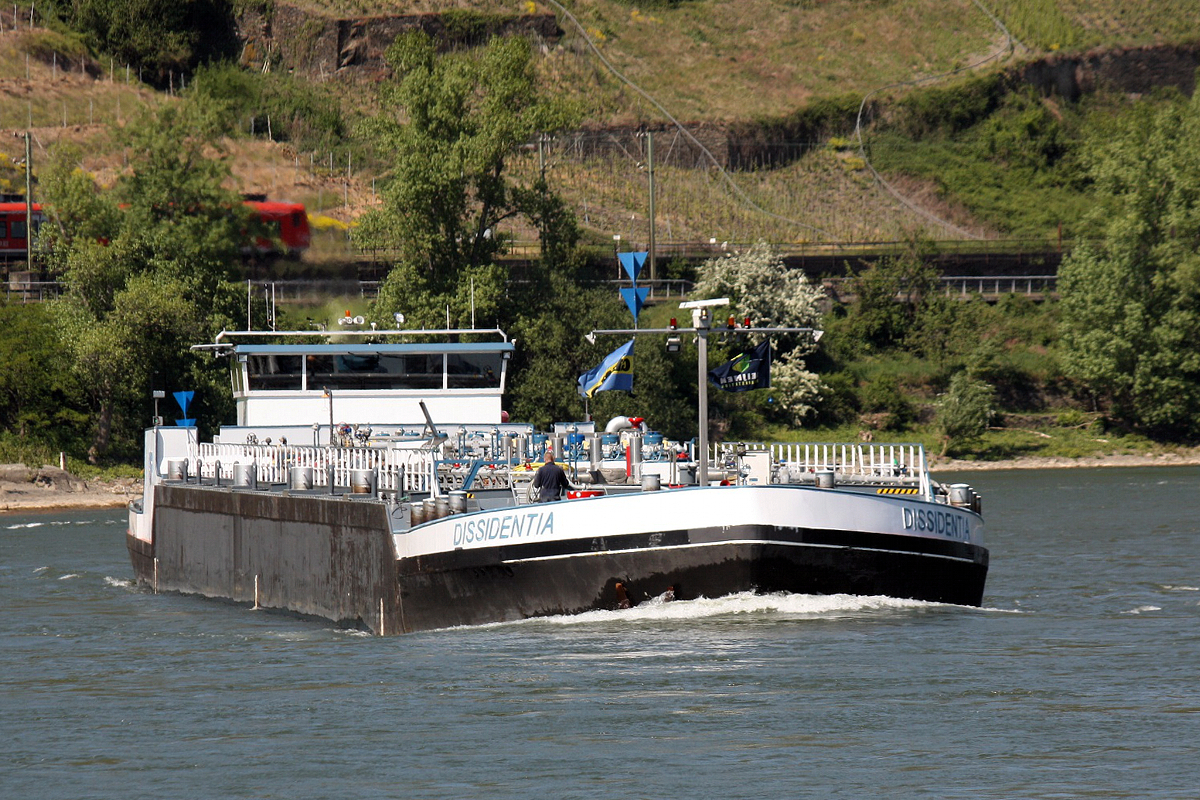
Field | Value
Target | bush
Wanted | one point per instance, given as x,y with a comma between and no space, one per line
964,413
298,112
951,109
47,46
839,403
883,396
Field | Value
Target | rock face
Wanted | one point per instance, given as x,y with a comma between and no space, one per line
320,47
46,477
26,489
352,49
16,473
1135,70
59,480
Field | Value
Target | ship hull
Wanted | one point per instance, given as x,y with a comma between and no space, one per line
338,559
489,586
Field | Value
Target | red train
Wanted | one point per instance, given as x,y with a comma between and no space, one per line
288,223
13,228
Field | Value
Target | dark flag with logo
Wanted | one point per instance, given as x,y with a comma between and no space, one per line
745,371
614,372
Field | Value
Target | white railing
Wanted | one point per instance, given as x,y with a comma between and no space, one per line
900,463
273,463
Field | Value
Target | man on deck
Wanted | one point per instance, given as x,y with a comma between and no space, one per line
550,480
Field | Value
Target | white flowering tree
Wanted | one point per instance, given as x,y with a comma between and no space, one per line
761,287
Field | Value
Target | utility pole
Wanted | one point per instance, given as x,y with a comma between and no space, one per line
702,327
650,173
28,204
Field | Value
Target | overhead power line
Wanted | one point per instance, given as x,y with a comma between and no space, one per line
1011,42
679,126
862,151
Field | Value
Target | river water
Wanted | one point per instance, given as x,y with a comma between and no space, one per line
1078,678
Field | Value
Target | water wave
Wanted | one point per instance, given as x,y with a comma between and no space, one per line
1142,609
741,605
61,523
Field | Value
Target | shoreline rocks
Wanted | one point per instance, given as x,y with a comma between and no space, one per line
23,488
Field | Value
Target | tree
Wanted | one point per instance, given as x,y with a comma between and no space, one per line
761,287
159,38
964,413
1131,301
453,121
38,398
138,295
281,104
553,355
898,305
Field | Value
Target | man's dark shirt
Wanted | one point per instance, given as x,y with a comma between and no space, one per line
551,481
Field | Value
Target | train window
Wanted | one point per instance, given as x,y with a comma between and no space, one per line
274,372
3,229
18,229
473,371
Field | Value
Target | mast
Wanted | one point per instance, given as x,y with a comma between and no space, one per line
701,327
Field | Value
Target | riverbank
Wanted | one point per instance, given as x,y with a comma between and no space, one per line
50,488
1183,457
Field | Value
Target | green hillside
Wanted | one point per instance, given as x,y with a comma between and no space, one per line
781,80
752,110
707,60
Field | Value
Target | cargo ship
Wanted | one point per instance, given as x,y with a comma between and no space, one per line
372,479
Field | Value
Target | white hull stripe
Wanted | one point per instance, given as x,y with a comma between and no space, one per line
733,542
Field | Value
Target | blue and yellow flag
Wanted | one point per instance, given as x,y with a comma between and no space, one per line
745,371
614,372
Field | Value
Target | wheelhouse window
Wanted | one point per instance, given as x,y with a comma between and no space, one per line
269,372
375,371
473,370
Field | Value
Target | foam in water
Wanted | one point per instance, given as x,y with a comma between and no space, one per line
1142,609
742,604
61,523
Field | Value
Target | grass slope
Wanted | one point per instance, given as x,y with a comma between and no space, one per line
704,61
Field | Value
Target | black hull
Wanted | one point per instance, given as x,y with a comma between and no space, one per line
332,558
511,588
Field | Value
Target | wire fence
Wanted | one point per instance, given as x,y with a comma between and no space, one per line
704,183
